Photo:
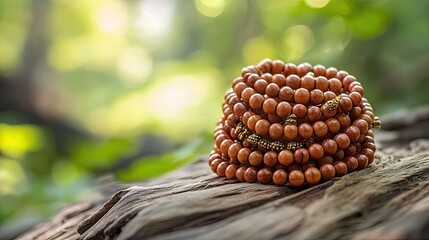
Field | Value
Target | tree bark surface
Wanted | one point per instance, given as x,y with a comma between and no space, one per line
387,200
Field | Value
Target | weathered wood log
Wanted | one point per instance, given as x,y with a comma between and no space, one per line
387,200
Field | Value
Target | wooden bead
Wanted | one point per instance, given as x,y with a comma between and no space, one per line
296,178
319,70
316,97
221,168
276,131
239,87
246,116
351,163
341,75
343,141
331,72
247,93
320,129
327,171
224,146
301,156
302,96
250,81
356,98
339,155
299,110
293,81
280,177
325,160
333,125
214,164
233,150
230,171
290,132
369,146
283,109
307,82
272,90
270,158
267,77
264,175
240,173
344,120
280,80
243,155
265,65
321,83
348,80
326,112
312,175
353,133
262,127
277,66
362,161
255,158
340,168
251,123
256,101
250,175
269,106
219,139
305,130
260,86
354,113
346,104
289,69
350,150
369,154
285,157
335,85
330,146
286,94
304,68
314,114
362,125
316,151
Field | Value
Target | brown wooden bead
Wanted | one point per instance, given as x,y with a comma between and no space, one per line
312,175
286,94
214,163
343,141
247,93
267,77
276,131
285,157
316,151
356,98
370,146
264,175
270,158
307,82
305,130
237,81
280,80
328,113
299,110
321,83
283,109
230,171
250,175
219,139
290,132
262,127
369,154
265,65
325,160
272,90
293,81
296,178
224,146
327,171
239,109
250,81
362,161
260,86
233,150
358,89
351,163
355,112
340,168
329,95
314,113
362,125
289,69
239,174
304,68
353,132
339,155
331,72
341,75
256,101
335,85
316,97
251,123
330,146
269,106
277,67
344,120
255,158
301,156
213,157
280,177
302,96
346,104
246,116
348,80
333,125
239,87
319,70
221,168
243,155
320,129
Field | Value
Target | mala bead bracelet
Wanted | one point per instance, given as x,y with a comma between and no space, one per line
296,124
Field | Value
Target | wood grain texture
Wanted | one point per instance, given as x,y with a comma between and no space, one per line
387,200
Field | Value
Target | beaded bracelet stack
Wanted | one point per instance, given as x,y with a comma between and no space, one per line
293,123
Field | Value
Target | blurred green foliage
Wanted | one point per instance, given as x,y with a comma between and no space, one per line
122,70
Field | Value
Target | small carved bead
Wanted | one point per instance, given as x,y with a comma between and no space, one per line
312,175
230,171
280,177
264,175
296,178
250,175
327,171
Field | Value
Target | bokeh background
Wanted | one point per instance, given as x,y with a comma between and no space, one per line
134,88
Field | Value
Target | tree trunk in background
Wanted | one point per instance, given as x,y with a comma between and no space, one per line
387,200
